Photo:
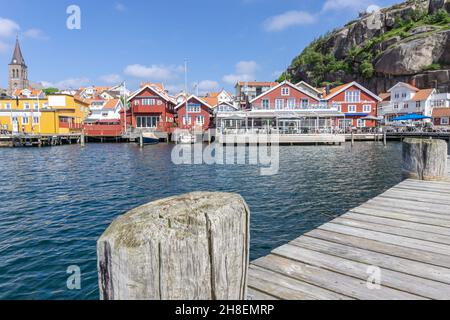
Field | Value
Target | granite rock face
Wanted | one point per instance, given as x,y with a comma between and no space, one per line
398,57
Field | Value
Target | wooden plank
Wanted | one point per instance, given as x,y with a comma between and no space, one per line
413,234
388,238
381,247
386,261
380,205
285,287
388,221
255,295
419,196
421,187
392,279
432,220
409,204
346,285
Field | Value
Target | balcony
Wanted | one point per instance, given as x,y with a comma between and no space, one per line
299,107
103,129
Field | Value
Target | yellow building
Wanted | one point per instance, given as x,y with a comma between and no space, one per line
56,114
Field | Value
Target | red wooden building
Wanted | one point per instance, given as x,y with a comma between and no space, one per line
284,96
357,103
150,108
198,115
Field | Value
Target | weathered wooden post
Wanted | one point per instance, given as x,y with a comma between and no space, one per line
385,138
141,140
353,139
425,159
82,140
189,247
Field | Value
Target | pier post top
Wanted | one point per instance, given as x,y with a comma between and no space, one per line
189,247
175,213
425,159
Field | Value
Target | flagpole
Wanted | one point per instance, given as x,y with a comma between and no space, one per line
125,103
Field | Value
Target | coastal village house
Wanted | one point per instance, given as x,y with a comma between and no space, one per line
247,91
104,118
404,98
150,108
358,104
441,117
56,114
197,114
285,108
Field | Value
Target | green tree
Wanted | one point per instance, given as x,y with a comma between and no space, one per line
49,91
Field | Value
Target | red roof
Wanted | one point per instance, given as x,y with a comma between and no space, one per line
441,112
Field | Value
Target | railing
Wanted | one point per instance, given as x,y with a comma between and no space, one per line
271,107
103,130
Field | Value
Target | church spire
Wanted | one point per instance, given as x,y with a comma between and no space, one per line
17,56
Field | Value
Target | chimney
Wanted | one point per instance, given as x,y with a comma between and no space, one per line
328,89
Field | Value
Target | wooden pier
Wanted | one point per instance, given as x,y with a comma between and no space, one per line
39,140
403,235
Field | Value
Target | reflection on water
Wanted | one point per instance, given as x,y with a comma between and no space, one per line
56,202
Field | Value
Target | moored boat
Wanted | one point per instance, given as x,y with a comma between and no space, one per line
150,138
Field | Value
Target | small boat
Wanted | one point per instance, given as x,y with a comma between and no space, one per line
150,138
188,139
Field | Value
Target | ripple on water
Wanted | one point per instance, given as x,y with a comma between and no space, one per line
56,202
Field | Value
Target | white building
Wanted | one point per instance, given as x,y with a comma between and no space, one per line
105,110
403,99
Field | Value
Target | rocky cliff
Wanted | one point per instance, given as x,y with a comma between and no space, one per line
407,42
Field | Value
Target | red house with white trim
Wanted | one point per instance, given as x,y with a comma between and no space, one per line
357,103
284,96
198,115
151,108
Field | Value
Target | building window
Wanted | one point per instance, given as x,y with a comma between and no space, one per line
285,91
148,102
7,105
444,121
418,105
361,123
279,104
352,108
27,106
397,95
265,104
193,108
35,106
25,120
367,108
35,120
45,105
404,95
352,96
291,104
200,120
147,122
136,102
405,105
395,105
305,103
187,120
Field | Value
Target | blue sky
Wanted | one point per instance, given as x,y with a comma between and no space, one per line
139,40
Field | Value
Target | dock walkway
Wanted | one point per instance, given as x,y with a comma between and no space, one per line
403,234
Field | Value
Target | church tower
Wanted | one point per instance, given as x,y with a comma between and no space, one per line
18,71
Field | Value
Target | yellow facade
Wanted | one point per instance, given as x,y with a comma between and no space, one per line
57,114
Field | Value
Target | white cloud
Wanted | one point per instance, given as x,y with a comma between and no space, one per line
289,19
355,5
111,78
373,8
120,7
208,85
70,83
153,72
244,71
8,27
36,34
4,47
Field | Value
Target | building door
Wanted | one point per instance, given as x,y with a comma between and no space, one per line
15,124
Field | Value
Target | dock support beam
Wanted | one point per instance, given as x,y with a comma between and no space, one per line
189,247
385,138
83,140
141,140
425,159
